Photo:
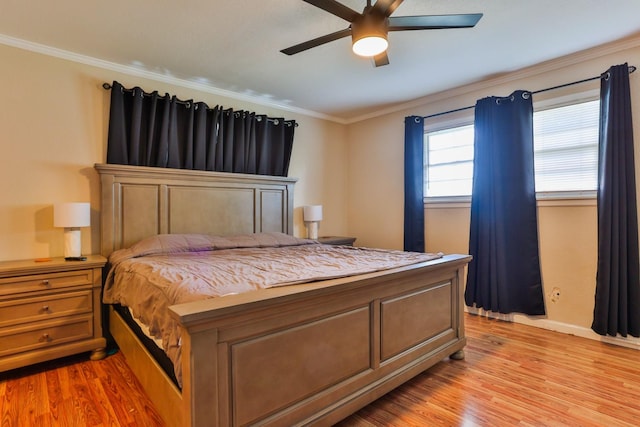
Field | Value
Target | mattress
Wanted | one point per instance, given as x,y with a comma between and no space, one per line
165,270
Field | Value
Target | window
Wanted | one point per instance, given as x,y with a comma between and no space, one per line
565,153
566,147
449,162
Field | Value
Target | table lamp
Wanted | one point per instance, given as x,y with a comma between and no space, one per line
312,215
72,216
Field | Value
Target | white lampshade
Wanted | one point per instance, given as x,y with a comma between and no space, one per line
312,213
72,216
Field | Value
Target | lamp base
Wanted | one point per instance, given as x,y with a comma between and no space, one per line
75,258
313,230
72,242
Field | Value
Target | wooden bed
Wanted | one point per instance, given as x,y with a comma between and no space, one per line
292,355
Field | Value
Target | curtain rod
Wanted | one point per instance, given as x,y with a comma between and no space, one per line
107,86
632,68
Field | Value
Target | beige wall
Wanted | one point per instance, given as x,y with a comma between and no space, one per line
54,118
53,126
568,235
568,253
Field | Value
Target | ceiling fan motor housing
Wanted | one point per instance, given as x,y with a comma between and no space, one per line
369,33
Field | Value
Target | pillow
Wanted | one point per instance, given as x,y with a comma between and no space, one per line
163,244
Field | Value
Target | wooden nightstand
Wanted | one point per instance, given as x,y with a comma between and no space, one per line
337,240
49,310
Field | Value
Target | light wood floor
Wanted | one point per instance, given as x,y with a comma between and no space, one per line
512,375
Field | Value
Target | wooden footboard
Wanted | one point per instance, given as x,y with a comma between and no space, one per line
315,353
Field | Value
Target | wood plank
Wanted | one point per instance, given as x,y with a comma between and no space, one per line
512,375
75,391
516,374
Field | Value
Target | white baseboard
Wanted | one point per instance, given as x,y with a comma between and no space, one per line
552,325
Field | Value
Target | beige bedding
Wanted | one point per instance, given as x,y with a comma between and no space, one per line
171,269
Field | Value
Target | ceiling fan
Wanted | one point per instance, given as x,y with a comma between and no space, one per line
368,30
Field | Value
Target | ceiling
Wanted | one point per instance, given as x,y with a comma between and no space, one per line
234,45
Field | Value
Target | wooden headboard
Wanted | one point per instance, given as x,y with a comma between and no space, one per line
139,202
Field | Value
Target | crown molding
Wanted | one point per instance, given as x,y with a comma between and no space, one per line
532,71
139,72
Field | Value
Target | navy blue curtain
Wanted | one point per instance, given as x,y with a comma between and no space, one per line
504,274
149,129
617,298
414,184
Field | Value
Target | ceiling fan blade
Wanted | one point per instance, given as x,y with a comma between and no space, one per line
386,7
433,22
335,8
381,59
317,42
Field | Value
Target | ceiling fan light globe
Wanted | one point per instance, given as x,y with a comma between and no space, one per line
370,45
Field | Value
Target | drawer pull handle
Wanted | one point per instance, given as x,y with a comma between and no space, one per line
45,282
45,308
45,337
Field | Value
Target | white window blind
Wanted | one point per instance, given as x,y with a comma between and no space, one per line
449,162
566,147
565,153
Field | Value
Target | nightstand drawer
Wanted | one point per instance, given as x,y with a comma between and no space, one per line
45,334
49,309
27,310
44,282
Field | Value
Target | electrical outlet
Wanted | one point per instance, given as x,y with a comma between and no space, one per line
555,294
